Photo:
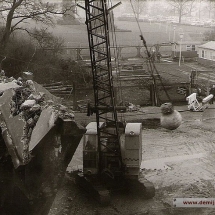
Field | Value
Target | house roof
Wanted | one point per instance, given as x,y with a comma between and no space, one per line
208,45
188,39
189,42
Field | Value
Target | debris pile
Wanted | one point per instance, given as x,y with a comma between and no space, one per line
27,103
39,137
132,107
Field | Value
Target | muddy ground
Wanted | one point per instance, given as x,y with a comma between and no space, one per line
180,163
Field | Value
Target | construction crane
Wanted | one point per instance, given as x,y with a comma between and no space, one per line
112,150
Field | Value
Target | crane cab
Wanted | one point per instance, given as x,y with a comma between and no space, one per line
90,149
130,144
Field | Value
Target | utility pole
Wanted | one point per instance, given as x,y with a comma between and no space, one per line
181,38
174,27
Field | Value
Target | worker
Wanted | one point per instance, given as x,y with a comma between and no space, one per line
212,91
159,57
2,73
153,56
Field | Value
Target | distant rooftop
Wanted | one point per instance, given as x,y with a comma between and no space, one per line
189,42
208,45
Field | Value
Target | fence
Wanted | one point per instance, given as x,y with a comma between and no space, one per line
120,52
128,92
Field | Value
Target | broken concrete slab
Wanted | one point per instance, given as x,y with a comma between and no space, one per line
9,85
13,126
45,123
21,133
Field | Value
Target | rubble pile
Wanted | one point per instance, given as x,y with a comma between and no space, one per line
131,107
28,103
38,138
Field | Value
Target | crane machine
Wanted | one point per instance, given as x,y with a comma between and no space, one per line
112,150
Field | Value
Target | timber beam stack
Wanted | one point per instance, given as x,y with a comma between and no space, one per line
59,89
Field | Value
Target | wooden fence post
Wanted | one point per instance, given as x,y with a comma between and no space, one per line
115,95
152,94
74,97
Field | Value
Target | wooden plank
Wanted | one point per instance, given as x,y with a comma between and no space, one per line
62,95
61,90
64,85
138,76
52,84
54,87
60,87
48,95
133,78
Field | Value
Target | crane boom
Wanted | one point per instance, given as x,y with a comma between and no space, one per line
105,107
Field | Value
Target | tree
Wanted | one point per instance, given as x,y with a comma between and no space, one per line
44,40
210,7
182,7
19,54
33,49
40,54
17,12
139,7
209,35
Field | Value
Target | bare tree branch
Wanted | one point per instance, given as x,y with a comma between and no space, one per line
17,12
182,7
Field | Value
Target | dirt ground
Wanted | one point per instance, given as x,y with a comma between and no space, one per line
180,164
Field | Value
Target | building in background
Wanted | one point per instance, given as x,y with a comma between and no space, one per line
206,54
189,49
186,44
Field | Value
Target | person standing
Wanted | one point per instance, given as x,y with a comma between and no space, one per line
212,91
159,57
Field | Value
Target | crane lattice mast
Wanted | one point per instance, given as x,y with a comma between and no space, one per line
105,107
